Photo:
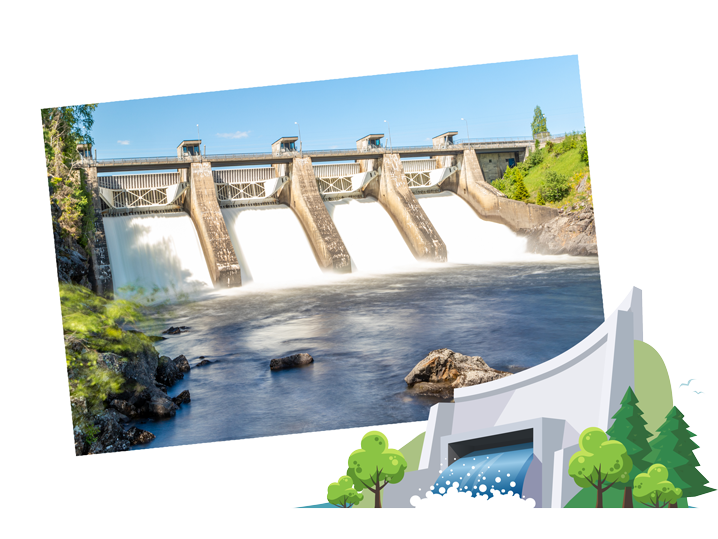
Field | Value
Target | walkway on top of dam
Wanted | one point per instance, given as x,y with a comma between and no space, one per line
268,158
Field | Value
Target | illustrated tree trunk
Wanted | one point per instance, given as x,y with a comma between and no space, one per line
599,497
627,498
377,494
673,505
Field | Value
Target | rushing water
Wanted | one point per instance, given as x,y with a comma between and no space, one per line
160,250
501,469
365,333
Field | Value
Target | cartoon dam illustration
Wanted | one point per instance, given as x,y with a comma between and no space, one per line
527,425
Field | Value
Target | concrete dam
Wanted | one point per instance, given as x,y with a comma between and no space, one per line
289,216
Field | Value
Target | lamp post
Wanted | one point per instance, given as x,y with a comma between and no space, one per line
300,137
468,137
198,133
390,145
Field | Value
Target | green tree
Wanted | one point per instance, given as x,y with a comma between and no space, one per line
673,448
583,148
654,489
520,191
342,493
539,199
375,465
629,429
63,129
539,123
600,463
555,186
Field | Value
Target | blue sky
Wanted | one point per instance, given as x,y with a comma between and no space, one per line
498,100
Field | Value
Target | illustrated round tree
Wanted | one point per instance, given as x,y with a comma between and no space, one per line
629,429
654,489
673,448
375,465
342,493
600,463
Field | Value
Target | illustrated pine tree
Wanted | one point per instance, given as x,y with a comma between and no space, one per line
374,466
629,429
600,463
674,448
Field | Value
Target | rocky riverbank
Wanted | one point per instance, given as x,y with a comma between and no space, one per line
142,393
572,232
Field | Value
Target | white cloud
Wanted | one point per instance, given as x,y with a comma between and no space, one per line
236,134
124,142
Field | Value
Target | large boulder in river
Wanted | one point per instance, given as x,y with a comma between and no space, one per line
439,373
290,362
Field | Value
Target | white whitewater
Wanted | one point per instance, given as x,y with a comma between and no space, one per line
156,251
271,246
369,234
468,238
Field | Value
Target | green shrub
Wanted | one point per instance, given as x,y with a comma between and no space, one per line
555,186
539,199
549,146
583,148
536,144
535,158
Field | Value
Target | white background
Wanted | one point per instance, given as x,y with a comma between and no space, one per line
647,74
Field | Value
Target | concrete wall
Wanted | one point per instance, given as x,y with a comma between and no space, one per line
302,195
494,165
392,191
472,187
202,206
101,272
580,388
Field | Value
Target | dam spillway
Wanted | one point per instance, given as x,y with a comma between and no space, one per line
373,241
469,239
159,250
271,245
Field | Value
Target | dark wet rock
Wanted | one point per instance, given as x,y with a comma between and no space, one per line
440,372
205,362
125,408
176,330
81,445
571,232
112,436
182,398
155,338
201,357
139,388
171,370
138,436
290,362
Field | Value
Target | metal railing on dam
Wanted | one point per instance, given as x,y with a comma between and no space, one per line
264,158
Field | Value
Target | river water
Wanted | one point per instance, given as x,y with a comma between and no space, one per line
365,332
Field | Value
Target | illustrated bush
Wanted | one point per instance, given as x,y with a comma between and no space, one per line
375,465
600,463
653,488
555,186
629,429
342,493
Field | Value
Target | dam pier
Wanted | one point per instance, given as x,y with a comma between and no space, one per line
200,203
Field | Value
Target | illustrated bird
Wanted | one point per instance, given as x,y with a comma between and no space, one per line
698,392
687,383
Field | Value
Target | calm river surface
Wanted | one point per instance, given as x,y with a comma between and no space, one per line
365,334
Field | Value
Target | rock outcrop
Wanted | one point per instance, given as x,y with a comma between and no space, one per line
572,232
439,373
143,394
290,362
